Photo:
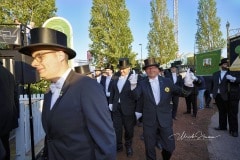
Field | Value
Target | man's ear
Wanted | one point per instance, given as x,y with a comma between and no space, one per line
61,55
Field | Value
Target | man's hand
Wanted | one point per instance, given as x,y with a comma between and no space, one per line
138,115
231,78
110,107
133,78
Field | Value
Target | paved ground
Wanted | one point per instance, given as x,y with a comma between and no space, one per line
219,145
224,146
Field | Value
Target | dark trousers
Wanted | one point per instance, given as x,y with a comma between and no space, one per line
207,97
222,106
5,143
175,100
2,151
191,103
154,133
233,116
121,121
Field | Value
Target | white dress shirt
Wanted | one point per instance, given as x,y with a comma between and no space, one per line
57,87
120,83
155,88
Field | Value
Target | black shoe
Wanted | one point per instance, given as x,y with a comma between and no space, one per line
129,151
174,118
187,113
234,134
218,128
119,149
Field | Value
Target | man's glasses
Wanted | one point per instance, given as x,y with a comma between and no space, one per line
39,57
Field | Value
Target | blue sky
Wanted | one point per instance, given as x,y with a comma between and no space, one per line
77,12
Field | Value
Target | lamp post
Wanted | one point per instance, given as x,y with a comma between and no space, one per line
141,56
227,26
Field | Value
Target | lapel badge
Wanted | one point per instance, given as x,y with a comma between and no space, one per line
167,89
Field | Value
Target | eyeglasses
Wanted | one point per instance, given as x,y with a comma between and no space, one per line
39,56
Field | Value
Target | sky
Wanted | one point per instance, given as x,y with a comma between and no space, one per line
78,13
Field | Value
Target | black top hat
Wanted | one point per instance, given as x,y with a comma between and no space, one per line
173,65
84,69
123,63
109,66
150,62
98,69
46,38
224,60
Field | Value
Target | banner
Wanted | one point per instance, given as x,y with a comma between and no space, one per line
10,34
234,53
207,63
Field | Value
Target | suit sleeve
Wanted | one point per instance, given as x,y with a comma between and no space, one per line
98,119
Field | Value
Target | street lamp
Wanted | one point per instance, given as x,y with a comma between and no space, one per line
141,56
227,26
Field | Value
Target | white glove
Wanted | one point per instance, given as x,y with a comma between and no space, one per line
108,94
231,78
110,107
133,78
211,95
194,78
138,115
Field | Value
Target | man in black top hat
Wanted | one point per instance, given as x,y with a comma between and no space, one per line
177,80
155,93
77,124
226,93
122,105
109,79
84,69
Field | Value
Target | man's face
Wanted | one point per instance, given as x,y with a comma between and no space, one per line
98,73
109,72
124,72
47,63
152,71
173,69
224,66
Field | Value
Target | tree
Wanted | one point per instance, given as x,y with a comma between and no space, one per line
208,36
27,10
109,32
161,41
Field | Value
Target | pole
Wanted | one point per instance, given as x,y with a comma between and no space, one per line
31,122
141,56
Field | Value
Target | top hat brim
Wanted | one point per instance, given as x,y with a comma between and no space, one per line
28,50
157,65
123,67
222,63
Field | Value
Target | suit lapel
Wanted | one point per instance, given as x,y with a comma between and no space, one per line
161,88
64,90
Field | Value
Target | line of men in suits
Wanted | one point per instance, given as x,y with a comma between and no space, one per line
128,101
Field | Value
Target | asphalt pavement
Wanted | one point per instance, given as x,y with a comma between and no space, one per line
221,145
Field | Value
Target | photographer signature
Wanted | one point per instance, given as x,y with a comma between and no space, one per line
199,135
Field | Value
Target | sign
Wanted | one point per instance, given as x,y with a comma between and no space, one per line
234,53
207,63
10,35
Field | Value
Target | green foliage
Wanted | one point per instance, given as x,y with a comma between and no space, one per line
40,87
161,41
26,11
208,36
190,61
109,31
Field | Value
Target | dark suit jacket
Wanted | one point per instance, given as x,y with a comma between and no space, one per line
179,81
225,86
79,126
126,98
153,112
9,102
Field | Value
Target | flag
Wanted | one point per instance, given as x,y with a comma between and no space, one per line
207,63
